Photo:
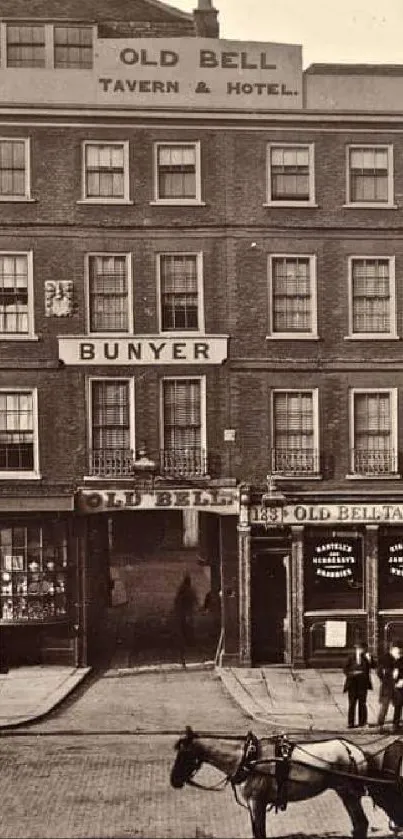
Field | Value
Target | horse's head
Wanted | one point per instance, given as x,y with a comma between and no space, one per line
187,760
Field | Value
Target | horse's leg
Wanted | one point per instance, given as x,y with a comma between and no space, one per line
257,810
352,803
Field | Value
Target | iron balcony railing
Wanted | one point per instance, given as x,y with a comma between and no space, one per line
183,463
295,461
374,462
112,463
120,463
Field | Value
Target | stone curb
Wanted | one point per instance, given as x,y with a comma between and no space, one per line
144,669
50,703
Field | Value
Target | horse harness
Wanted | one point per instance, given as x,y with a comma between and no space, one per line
283,749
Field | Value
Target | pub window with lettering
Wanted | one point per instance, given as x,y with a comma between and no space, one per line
295,432
18,433
180,289
372,300
291,175
390,568
34,573
112,428
333,573
374,432
184,445
109,293
106,172
177,173
292,281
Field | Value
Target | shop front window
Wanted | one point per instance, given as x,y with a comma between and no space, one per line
333,573
33,562
391,570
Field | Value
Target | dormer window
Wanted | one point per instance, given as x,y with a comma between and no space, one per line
46,46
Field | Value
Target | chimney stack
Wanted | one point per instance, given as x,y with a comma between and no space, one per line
206,20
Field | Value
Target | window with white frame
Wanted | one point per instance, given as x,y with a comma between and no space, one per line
14,169
293,296
16,298
372,296
183,426
177,176
291,174
370,175
25,45
106,172
295,432
73,47
374,432
180,285
109,293
18,432
112,427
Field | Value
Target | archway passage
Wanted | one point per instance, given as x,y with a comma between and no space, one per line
268,606
147,557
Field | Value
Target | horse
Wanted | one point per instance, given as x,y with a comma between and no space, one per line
273,771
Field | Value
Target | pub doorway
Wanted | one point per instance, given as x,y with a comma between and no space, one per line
268,606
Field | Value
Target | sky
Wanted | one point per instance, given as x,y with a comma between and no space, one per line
369,31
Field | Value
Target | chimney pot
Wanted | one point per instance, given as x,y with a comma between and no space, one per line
204,5
206,19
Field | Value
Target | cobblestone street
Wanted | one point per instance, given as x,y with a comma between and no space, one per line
113,786
57,781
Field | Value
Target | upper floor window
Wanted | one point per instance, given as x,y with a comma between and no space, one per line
183,427
370,175
16,295
46,45
18,433
177,173
372,297
295,432
106,172
109,293
180,283
73,47
14,169
373,432
293,296
112,427
25,45
291,177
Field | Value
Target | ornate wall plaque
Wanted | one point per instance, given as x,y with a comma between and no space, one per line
58,298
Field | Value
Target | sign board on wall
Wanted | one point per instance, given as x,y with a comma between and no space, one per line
190,73
143,349
335,633
330,514
222,500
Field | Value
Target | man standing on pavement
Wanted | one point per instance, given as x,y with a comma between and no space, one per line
358,682
385,673
398,692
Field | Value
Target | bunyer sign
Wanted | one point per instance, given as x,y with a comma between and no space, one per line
220,500
331,514
190,73
143,349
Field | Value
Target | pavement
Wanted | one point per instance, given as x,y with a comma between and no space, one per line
281,697
30,693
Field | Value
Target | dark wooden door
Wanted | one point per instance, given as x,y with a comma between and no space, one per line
268,607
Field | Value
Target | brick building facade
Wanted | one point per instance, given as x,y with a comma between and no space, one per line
199,288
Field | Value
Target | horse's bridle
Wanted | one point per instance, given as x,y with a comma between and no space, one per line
248,757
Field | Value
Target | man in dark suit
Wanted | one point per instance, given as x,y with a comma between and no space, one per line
358,682
398,693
